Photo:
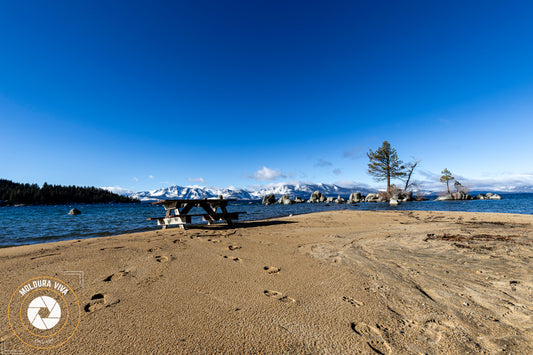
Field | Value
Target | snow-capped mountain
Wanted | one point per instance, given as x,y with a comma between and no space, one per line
257,193
304,190
190,192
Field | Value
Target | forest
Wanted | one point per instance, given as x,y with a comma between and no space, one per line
12,193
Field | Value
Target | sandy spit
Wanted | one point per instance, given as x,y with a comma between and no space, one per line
339,282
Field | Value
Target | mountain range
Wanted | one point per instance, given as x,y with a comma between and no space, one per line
302,190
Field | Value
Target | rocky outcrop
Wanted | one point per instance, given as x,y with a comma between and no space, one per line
394,202
447,197
461,195
285,200
488,196
372,197
269,199
355,197
317,196
456,196
74,211
339,200
299,200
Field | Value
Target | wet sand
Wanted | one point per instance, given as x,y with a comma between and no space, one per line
332,282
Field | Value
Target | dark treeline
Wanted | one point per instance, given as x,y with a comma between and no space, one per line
12,193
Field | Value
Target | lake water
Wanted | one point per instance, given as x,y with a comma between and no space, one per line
39,224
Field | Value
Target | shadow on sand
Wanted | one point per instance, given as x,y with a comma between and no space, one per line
239,224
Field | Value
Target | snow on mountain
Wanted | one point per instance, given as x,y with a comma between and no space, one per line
279,189
190,192
305,190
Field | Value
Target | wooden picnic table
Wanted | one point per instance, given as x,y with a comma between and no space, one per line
182,208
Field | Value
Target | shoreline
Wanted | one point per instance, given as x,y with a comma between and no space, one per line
335,281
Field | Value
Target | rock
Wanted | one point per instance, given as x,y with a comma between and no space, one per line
340,200
447,197
488,194
406,196
74,211
269,199
480,197
382,197
372,197
285,200
460,195
299,200
317,196
355,197
394,202
220,197
330,200
495,197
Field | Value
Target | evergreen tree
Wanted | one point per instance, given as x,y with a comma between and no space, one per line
446,178
385,165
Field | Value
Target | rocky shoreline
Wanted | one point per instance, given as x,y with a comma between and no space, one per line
357,197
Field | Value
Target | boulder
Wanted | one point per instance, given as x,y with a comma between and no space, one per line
285,200
382,197
447,197
495,197
299,200
355,197
330,200
269,199
317,196
372,197
406,196
480,197
394,202
340,200
74,211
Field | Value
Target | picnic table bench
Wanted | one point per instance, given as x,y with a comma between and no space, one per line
182,207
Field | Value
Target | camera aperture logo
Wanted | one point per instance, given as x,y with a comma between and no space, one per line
44,312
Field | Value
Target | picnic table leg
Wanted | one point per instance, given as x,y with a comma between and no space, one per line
167,215
228,220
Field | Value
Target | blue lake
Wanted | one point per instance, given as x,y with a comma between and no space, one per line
39,224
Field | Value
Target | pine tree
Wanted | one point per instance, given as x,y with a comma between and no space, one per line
385,165
446,178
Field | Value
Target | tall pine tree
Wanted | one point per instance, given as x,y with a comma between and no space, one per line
385,165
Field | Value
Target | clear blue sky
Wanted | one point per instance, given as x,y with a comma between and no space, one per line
143,95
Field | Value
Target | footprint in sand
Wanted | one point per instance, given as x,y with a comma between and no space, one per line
279,296
271,269
234,247
372,337
99,301
234,258
161,258
352,301
115,276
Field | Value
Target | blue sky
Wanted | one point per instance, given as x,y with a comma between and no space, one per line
142,95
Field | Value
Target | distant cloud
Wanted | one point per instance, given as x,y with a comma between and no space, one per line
135,179
150,176
505,182
337,171
322,163
352,184
266,174
354,153
117,190
198,179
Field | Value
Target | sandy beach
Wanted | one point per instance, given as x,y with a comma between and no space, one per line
328,283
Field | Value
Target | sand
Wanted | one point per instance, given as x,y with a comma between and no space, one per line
332,282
